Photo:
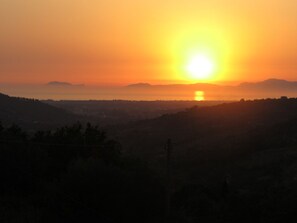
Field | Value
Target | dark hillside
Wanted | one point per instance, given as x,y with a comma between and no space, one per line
114,112
233,161
32,113
197,126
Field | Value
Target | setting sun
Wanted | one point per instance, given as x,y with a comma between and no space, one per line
200,67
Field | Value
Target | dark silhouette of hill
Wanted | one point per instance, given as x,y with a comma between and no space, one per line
196,86
233,162
199,126
270,85
63,84
57,83
74,173
139,85
32,113
271,88
266,85
111,112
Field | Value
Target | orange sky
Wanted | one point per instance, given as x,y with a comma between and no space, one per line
117,42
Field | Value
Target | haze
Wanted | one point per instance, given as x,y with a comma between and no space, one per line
121,42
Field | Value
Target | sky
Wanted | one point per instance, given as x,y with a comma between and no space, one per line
116,42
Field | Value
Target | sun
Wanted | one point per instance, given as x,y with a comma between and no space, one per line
200,67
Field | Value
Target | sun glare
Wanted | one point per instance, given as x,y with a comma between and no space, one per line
200,67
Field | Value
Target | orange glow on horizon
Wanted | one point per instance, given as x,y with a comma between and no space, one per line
118,42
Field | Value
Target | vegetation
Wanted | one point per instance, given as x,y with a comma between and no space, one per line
232,162
229,163
73,174
32,114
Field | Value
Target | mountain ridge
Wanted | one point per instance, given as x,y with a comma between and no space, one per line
32,113
266,82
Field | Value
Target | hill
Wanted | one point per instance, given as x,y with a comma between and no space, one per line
63,84
112,112
239,158
270,88
270,85
206,125
32,113
234,162
215,139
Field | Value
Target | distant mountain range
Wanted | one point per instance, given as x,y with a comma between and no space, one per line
32,113
270,88
147,85
269,84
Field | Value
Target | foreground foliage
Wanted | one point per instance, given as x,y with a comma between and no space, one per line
73,174
230,163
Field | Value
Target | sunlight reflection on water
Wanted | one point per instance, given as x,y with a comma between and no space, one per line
199,95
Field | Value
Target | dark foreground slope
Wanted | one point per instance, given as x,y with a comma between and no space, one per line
32,113
74,174
235,162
